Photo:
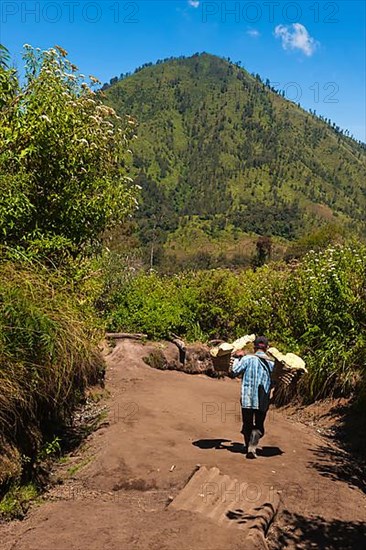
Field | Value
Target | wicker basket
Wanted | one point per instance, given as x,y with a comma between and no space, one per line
284,375
286,380
222,362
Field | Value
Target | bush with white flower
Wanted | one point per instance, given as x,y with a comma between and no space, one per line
63,158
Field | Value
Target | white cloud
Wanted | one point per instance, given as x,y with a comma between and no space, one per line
296,37
194,3
254,33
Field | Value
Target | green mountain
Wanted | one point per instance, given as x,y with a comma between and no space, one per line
218,144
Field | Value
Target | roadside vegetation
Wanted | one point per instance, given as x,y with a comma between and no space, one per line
315,307
63,182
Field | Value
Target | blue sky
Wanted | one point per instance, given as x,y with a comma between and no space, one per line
314,50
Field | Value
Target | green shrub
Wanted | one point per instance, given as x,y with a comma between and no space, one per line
159,305
63,157
16,502
316,308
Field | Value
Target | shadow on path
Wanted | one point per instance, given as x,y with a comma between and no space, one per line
344,458
234,447
339,465
293,531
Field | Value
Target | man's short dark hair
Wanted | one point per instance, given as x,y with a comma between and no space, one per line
261,342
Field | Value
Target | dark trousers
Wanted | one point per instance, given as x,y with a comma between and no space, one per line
253,419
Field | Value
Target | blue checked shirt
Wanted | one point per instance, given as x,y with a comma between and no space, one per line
256,383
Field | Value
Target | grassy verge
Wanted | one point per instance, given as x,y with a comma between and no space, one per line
47,358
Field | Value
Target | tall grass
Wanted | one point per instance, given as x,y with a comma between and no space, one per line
316,308
47,357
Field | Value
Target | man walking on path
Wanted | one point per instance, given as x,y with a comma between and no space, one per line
255,391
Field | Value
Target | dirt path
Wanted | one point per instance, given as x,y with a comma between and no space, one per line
161,425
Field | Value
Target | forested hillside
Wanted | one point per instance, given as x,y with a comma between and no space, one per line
216,142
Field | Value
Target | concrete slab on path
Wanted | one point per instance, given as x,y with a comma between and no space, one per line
229,503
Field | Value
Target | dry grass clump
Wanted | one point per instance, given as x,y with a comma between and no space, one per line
47,357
